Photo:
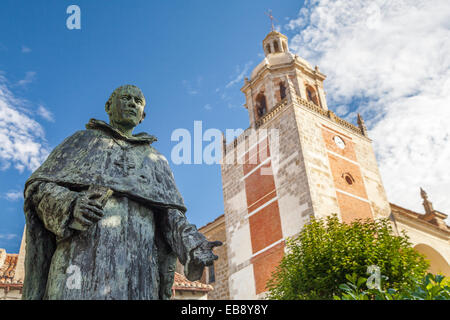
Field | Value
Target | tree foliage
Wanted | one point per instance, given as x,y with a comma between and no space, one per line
319,258
430,287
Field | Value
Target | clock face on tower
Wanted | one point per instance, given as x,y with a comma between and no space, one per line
339,142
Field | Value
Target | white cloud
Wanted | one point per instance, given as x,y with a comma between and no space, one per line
22,139
8,236
25,49
208,106
45,113
190,90
14,195
394,56
239,74
193,87
342,110
233,105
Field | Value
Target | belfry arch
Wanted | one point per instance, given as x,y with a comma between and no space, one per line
311,95
261,105
276,47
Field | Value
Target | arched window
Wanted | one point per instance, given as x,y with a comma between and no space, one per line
275,46
261,105
268,48
311,95
282,90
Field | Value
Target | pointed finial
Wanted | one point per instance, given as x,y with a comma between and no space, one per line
423,194
362,125
269,13
360,119
224,144
428,206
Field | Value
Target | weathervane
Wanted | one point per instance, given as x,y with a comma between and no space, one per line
269,14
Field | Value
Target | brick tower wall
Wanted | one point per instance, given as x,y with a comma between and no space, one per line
327,165
262,208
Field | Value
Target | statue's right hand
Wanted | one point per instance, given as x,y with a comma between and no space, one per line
87,211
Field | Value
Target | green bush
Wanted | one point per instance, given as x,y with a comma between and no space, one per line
319,258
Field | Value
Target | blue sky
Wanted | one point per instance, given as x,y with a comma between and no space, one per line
388,60
182,54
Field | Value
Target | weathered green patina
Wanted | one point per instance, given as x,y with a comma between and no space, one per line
83,242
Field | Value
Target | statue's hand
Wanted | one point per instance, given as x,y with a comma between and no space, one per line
203,255
87,211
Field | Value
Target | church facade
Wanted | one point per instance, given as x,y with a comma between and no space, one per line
299,160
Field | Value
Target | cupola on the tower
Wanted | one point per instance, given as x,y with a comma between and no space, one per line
281,77
275,42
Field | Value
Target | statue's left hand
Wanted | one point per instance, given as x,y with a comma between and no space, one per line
203,255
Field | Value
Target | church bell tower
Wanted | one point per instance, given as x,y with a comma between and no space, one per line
296,160
281,75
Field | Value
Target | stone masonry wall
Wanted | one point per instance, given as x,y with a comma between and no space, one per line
292,201
215,231
326,166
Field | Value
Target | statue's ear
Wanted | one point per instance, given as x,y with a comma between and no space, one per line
107,106
143,117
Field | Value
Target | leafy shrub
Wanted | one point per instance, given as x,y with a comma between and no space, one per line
326,250
430,287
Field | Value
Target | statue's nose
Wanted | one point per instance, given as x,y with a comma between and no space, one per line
132,104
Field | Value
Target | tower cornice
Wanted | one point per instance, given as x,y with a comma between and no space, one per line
295,64
274,33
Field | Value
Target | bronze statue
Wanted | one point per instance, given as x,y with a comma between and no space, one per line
104,207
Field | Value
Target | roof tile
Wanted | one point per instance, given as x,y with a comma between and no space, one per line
181,283
8,269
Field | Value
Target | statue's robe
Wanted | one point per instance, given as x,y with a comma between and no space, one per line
131,252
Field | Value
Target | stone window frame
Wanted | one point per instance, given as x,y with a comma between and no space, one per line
311,94
348,178
261,95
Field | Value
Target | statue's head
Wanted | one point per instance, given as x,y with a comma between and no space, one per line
125,107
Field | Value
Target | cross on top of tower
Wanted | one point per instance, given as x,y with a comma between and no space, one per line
269,14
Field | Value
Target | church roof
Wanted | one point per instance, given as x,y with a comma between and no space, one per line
215,221
434,220
181,283
274,33
279,58
8,265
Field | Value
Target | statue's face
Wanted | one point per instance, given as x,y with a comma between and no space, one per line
127,107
